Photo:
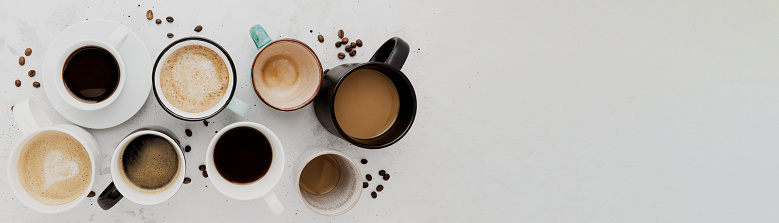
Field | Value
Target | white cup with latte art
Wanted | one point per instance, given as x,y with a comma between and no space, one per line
52,167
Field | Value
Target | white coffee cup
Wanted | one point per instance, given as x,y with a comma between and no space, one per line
344,196
260,188
112,44
120,187
33,121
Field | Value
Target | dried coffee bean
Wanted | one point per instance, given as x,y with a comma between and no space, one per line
31,73
12,107
373,194
311,31
187,180
382,172
18,83
341,33
353,52
368,177
386,177
348,48
359,42
188,132
321,38
364,161
149,15
354,45
364,184
169,19
198,28
21,60
36,84
345,40
187,148
338,44
27,52
379,188
158,21
341,55
205,174
326,70
170,35
202,168
91,194
205,122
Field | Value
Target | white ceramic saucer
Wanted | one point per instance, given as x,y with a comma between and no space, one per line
137,86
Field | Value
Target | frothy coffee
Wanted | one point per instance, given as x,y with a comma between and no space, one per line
54,168
149,164
194,78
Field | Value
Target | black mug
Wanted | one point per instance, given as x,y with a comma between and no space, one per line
387,60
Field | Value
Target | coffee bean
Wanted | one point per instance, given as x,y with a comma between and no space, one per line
187,180
187,148
373,194
31,73
12,107
379,188
18,83
202,168
364,161
326,70
368,177
341,55
353,52
36,84
91,194
311,31
359,42
27,52
345,40
149,15
205,174
321,38
338,44
386,177
198,28
341,33
169,19
188,132
382,172
364,184
348,48
354,45
170,35
205,122
158,21
21,60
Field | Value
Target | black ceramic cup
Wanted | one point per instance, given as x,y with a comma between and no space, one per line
388,60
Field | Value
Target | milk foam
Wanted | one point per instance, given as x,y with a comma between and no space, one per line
54,168
194,78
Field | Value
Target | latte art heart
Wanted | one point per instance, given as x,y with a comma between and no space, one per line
57,168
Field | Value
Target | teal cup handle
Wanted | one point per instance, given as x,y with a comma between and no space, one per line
260,37
239,107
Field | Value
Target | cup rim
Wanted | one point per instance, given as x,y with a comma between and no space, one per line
19,191
71,99
329,152
318,86
229,94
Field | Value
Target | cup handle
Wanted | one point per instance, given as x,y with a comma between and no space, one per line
393,52
109,197
273,203
116,40
29,116
239,107
260,37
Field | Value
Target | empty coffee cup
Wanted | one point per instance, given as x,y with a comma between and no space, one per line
329,182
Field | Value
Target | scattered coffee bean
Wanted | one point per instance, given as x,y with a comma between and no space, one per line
373,194
205,122
18,83
12,107
170,35
202,168
386,177
187,148
187,180
188,132
364,161
21,60
31,73
364,184
348,48
353,52
359,42
345,40
198,28
368,177
341,55
311,31
338,44
341,33
205,174
382,172
158,21
321,38
379,188
354,45
36,84
326,70
149,15
169,19
91,194
27,52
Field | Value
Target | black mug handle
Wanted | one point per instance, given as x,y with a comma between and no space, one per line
393,52
109,197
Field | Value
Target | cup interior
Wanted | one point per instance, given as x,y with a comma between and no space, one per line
146,198
292,91
74,100
22,194
344,196
257,188
166,104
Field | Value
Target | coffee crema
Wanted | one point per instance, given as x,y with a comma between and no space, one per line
54,168
320,175
243,155
194,78
91,74
149,163
366,104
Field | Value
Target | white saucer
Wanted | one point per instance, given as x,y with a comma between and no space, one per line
137,85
